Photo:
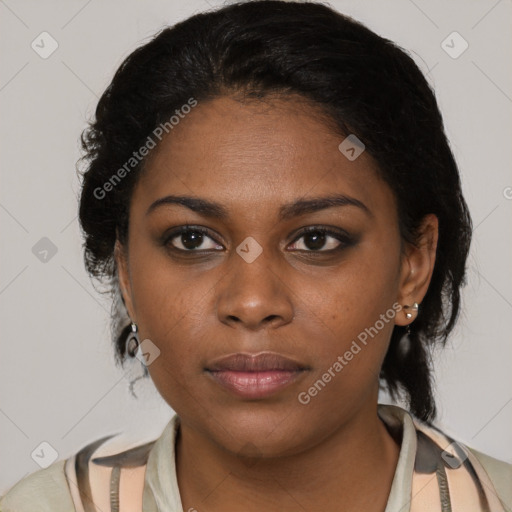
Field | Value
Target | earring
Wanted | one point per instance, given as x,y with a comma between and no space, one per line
133,342
132,384
414,308
132,345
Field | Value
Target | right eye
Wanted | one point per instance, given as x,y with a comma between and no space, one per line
191,239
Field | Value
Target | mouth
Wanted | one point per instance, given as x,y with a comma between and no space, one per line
255,376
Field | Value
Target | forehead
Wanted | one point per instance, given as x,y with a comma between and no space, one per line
256,154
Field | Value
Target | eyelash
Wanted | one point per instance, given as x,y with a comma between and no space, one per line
339,234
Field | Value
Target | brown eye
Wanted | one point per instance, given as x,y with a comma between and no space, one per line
191,239
321,240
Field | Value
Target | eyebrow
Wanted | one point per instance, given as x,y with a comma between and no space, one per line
287,211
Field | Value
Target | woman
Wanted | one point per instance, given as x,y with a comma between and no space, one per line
270,190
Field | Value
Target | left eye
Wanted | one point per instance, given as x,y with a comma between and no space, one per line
316,239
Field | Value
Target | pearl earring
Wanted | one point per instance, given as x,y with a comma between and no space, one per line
413,308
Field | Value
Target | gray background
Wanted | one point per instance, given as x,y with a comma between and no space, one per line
58,379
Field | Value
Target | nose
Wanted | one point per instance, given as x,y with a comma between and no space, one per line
253,296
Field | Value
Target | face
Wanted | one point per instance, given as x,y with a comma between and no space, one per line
266,265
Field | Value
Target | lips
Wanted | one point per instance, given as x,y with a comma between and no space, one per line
265,361
255,376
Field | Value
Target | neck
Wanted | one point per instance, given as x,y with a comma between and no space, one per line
358,456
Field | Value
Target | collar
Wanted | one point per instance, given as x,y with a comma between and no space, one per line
399,499
161,491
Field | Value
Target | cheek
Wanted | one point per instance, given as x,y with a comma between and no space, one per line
167,302
355,309
168,314
360,292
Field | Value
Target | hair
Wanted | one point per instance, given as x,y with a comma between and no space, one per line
367,85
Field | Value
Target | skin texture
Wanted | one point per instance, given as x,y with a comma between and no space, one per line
294,299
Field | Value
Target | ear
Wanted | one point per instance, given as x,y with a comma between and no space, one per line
417,267
123,273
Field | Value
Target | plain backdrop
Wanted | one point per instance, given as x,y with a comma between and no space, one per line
58,380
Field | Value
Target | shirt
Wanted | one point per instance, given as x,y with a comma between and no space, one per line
434,473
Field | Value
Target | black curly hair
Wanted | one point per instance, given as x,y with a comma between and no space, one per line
366,84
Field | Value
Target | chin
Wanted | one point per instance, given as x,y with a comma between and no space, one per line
254,431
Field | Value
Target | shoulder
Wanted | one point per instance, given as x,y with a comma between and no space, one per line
44,490
494,475
66,484
500,474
